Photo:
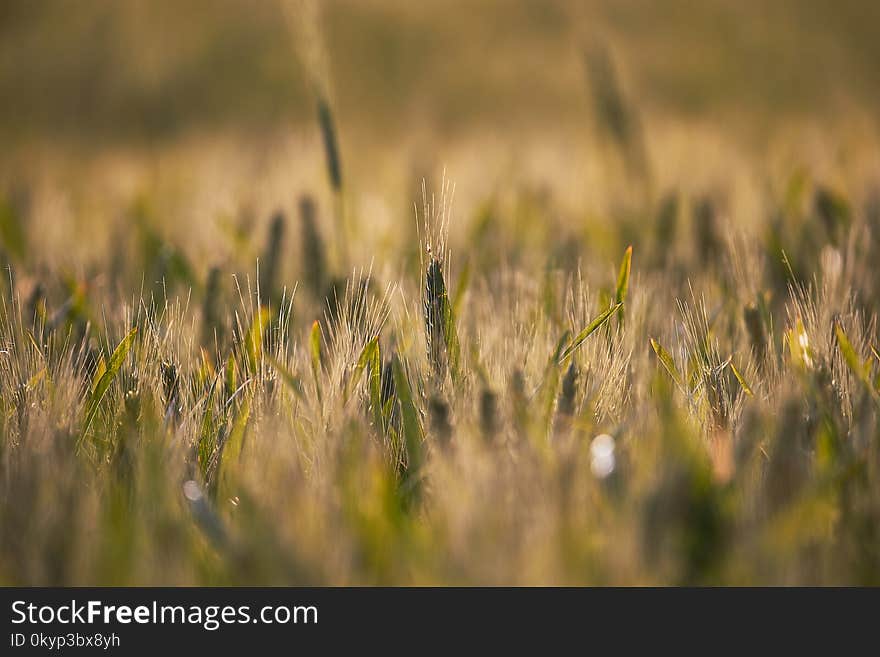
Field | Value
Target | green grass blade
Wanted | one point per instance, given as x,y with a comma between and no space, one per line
560,345
230,376
623,276
742,382
667,362
116,361
254,343
34,381
365,360
100,370
453,346
292,380
412,428
375,373
589,330
315,352
848,352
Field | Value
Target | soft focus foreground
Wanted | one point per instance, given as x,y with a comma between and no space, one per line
252,334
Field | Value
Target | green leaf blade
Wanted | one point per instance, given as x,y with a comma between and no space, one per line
591,328
667,362
742,381
412,428
623,276
117,359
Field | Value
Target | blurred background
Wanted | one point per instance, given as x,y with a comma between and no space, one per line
100,71
208,107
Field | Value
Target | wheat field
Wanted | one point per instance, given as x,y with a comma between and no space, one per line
440,339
